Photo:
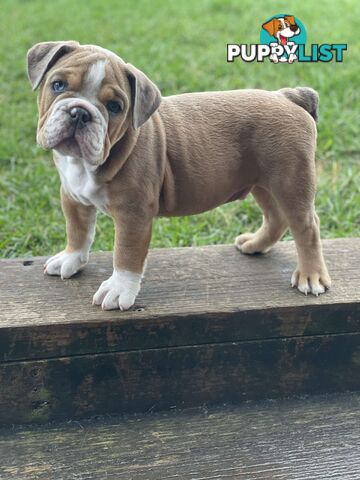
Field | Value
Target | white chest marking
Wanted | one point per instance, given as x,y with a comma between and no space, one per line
79,182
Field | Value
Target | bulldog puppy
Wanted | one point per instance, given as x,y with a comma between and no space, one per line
121,148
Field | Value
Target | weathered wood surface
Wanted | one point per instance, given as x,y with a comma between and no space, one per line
190,296
298,439
210,325
157,379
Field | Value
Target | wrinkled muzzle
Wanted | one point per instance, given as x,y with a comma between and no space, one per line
75,127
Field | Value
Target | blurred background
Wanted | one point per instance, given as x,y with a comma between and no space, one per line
181,46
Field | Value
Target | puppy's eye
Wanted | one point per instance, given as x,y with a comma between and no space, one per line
113,107
58,86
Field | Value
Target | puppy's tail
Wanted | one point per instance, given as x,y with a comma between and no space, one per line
305,97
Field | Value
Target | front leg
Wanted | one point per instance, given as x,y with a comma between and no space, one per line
132,239
80,230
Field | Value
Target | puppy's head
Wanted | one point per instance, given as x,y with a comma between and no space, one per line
88,98
282,28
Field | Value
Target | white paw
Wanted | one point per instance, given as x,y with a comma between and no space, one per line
251,243
119,291
65,264
315,283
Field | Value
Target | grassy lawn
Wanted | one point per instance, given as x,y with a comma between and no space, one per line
182,47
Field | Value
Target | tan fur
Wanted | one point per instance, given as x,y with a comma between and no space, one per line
79,219
195,152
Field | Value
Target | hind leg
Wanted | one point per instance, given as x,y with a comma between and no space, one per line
272,229
311,274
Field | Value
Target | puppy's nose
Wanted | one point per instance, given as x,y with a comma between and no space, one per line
293,28
80,116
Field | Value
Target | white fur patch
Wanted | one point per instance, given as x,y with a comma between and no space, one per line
305,286
66,264
119,291
93,80
79,182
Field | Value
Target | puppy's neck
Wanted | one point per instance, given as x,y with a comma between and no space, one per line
75,161
119,154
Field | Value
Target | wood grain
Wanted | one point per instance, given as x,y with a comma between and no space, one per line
298,439
190,296
210,325
156,379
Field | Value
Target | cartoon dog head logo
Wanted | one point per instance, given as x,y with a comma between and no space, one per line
282,28
284,31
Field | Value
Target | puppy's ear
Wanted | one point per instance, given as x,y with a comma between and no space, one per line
270,26
42,56
290,19
145,96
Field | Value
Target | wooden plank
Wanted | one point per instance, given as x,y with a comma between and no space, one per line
155,379
298,439
190,296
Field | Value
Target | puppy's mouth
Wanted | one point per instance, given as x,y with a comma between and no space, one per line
63,139
75,128
68,146
80,144
283,40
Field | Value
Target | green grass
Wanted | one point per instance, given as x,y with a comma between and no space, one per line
182,47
